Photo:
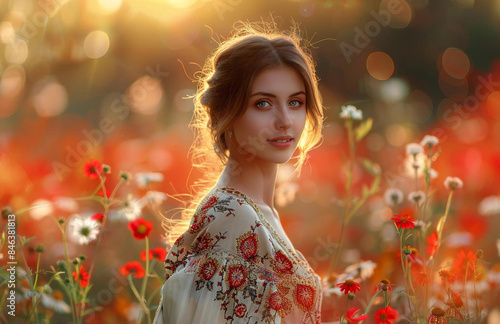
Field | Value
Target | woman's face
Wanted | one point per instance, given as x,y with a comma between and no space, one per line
276,108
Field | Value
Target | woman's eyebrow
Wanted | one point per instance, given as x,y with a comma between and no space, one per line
274,96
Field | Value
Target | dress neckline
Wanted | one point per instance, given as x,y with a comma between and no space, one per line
292,251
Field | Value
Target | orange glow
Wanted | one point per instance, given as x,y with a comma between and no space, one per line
380,65
493,104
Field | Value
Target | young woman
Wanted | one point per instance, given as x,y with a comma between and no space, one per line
257,102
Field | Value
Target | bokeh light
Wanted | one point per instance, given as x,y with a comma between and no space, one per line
110,6
400,13
397,135
50,98
96,44
380,65
455,62
16,52
145,95
394,90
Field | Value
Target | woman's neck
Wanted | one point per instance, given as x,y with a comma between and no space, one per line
257,180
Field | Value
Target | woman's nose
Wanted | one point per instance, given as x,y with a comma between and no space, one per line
283,119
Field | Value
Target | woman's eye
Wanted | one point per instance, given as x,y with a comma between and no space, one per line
295,103
262,104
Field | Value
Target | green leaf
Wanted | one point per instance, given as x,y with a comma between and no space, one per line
370,167
363,129
23,240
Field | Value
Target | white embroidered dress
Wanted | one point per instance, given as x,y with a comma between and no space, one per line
232,267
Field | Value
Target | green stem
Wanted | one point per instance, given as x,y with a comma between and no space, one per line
141,301
144,282
37,267
401,250
448,204
69,274
370,302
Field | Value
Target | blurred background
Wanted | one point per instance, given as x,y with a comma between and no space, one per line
110,80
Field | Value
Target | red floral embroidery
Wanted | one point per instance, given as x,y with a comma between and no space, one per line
208,268
201,217
248,245
202,243
209,204
278,302
281,263
236,276
240,310
304,295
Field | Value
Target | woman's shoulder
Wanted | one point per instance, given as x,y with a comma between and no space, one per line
222,204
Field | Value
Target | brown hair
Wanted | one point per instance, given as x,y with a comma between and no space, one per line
224,86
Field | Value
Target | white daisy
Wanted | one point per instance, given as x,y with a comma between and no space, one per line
453,183
82,230
414,149
154,197
433,174
489,206
66,203
416,196
364,269
55,301
131,210
144,178
429,141
393,196
351,112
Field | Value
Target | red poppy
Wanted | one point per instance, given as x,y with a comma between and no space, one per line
386,315
140,228
98,217
404,221
349,286
411,254
157,254
134,267
433,244
385,285
446,276
350,313
92,169
464,263
82,277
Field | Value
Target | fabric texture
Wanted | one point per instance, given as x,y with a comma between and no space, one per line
232,267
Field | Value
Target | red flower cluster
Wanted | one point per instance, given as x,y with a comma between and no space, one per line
349,286
386,315
134,267
140,228
82,277
464,264
157,254
405,221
